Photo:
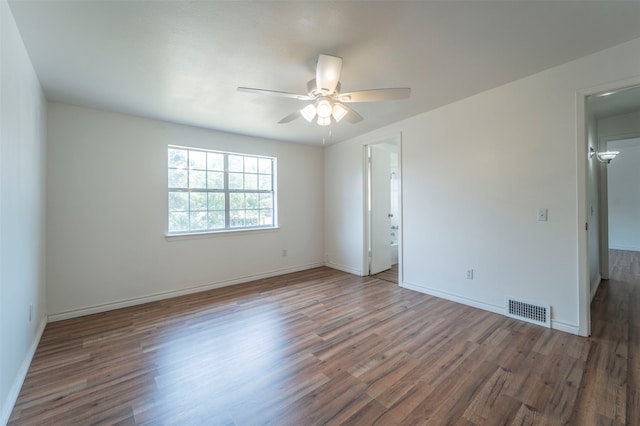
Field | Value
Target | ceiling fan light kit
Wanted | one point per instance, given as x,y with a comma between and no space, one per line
327,101
324,108
339,112
308,112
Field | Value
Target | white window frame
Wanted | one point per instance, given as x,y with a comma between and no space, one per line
257,193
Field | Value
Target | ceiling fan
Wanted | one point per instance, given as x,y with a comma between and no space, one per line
327,103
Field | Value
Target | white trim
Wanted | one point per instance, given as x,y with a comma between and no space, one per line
400,212
212,234
583,285
395,138
454,298
366,217
595,284
12,396
583,266
343,268
566,327
556,325
174,293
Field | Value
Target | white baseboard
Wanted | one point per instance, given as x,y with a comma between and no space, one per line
12,396
174,293
556,325
566,327
343,268
454,298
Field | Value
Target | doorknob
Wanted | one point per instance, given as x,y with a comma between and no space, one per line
390,215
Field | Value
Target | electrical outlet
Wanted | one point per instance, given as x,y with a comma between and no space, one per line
541,214
469,274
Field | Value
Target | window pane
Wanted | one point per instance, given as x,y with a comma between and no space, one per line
178,221
264,166
252,201
216,220
197,179
266,217
236,181
250,165
177,158
178,201
210,190
252,217
235,163
177,178
237,218
197,160
215,161
215,180
198,220
216,202
264,182
266,201
250,181
236,201
197,201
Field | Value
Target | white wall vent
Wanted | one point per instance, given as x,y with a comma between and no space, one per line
525,311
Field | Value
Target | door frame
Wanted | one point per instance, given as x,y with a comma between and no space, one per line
397,139
583,208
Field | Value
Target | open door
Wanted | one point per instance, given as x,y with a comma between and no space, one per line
379,209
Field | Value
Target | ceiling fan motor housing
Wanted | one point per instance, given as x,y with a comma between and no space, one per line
313,91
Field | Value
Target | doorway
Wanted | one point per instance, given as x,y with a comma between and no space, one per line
382,221
623,208
612,118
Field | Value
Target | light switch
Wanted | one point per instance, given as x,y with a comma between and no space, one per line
541,214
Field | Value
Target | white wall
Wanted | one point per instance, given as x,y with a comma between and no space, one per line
618,127
474,173
344,207
22,210
107,219
623,177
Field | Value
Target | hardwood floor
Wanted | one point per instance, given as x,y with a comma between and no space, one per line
390,274
326,347
624,265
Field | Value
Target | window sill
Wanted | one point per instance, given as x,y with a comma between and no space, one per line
215,234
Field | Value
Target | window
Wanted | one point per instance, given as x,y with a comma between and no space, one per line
218,191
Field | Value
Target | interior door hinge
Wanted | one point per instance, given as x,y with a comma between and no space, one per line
586,226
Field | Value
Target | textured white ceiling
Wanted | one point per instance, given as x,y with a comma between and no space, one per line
181,61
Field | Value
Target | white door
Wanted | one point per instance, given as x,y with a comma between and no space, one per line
380,242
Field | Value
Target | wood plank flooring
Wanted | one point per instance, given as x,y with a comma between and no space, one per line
325,347
624,265
390,274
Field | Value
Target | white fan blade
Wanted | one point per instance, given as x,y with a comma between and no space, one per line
290,117
352,117
375,95
328,73
275,93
